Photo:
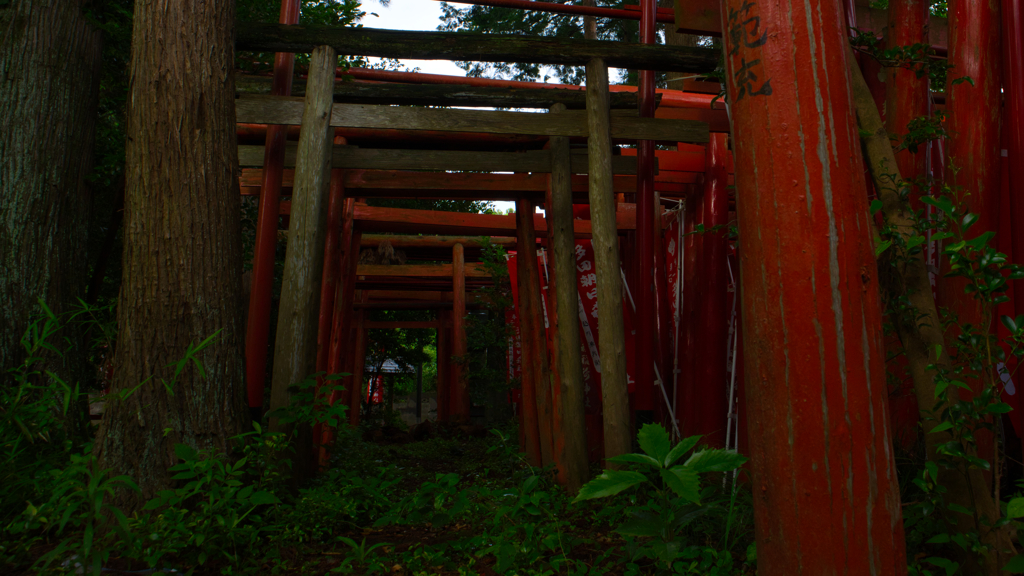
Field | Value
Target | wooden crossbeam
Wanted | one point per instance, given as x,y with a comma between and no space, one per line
399,184
351,157
440,94
430,324
464,46
475,269
400,241
374,219
288,110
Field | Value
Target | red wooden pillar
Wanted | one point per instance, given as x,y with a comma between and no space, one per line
341,337
644,286
712,394
693,341
907,96
974,114
444,363
459,390
826,499
329,285
1013,88
257,336
358,362
536,387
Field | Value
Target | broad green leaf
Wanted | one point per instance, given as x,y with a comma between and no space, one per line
1009,322
969,220
609,483
683,481
882,247
184,452
1015,565
684,446
635,459
264,497
938,539
1015,508
941,427
876,205
654,440
644,524
715,461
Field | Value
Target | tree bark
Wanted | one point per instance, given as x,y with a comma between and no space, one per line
49,80
182,257
923,336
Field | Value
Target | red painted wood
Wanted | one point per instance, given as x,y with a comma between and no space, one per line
358,364
531,335
373,219
460,389
644,284
257,336
907,95
974,114
713,318
444,365
693,297
1013,124
329,287
826,499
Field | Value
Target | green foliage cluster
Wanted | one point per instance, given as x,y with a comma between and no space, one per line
239,513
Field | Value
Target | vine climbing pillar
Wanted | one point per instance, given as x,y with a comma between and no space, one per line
826,499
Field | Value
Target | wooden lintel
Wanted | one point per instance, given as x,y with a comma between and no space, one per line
430,324
465,46
477,186
403,241
350,157
288,110
441,94
421,270
373,219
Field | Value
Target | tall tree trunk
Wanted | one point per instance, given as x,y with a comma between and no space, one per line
182,246
49,76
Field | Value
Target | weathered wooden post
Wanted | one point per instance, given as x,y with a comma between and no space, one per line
826,499
261,295
531,319
459,389
573,446
612,336
295,345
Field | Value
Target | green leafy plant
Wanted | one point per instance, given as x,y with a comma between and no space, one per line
675,488
79,510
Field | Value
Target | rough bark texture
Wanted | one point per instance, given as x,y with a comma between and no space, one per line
49,73
923,336
182,257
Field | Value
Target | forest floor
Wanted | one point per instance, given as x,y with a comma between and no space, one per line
459,501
